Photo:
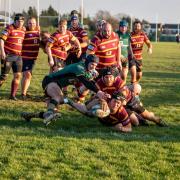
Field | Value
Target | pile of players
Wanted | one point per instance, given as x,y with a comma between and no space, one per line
98,68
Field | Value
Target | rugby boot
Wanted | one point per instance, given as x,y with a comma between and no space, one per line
50,116
162,123
14,98
29,115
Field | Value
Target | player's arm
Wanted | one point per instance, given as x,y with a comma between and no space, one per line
3,54
130,51
3,36
85,40
48,50
118,57
77,44
149,45
92,47
88,84
121,128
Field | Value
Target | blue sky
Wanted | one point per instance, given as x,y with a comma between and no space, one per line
167,11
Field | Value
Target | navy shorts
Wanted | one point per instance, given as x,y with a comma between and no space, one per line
13,61
137,63
28,65
135,105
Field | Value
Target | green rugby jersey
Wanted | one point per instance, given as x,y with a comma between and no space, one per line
125,43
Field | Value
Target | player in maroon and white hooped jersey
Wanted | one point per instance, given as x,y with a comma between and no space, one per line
109,82
30,52
58,44
138,38
106,46
82,36
11,40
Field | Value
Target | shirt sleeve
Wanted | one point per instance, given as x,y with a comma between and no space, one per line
52,40
89,84
4,34
71,36
93,45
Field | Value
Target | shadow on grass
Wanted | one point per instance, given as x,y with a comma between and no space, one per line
156,75
35,98
81,127
161,88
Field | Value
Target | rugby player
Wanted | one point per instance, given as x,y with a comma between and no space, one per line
82,36
110,113
58,45
133,104
118,117
138,38
54,82
11,41
30,52
106,46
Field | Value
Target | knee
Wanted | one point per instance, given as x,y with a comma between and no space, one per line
27,75
134,120
17,76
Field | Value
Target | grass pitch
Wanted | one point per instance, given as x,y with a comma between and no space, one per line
77,147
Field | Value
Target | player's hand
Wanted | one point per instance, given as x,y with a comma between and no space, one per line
149,51
103,95
107,96
123,59
119,65
79,53
100,94
3,55
51,62
104,105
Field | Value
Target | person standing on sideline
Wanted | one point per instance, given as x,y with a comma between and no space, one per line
30,52
11,41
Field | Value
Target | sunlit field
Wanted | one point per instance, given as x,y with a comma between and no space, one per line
77,147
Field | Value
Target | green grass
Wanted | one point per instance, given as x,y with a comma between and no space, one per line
77,147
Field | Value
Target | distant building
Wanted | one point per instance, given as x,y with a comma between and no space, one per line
170,29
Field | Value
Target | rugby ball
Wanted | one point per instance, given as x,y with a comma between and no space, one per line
98,112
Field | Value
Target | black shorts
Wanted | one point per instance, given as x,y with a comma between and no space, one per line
28,65
137,63
135,105
46,81
13,61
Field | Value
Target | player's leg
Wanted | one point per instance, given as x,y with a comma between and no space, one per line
27,75
151,117
56,97
5,71
17,70
132,67
124,71
139,70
